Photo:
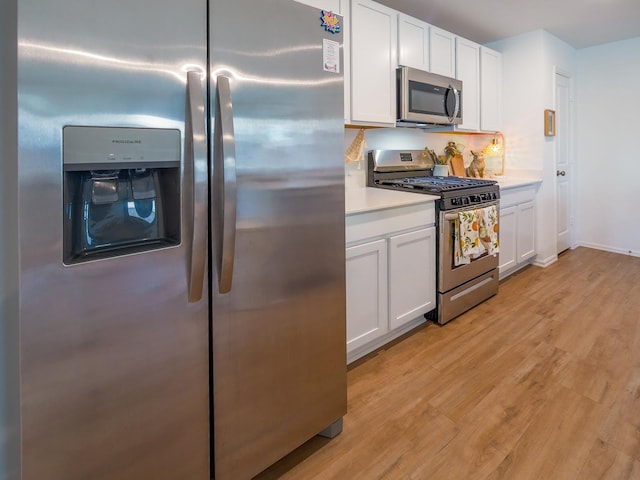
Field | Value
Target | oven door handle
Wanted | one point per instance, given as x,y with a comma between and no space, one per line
450,217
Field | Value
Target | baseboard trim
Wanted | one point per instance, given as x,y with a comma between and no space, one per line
538,262
363,350
622,251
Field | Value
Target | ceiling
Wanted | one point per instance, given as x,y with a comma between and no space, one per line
580,23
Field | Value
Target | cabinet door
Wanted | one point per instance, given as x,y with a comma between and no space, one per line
412,276
526,231
507,233
413,42
374,44
442,52
366,293
468,70
490,90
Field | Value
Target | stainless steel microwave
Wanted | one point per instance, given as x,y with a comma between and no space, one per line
425,98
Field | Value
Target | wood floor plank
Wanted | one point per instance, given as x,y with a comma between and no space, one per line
541,381
605,462
622,428
557,442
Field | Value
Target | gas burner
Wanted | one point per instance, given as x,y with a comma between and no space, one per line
435,184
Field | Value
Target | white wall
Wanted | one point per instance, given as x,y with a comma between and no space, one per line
608,125
529,62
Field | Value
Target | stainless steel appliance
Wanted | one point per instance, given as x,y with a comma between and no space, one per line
148,348
459,287
425,98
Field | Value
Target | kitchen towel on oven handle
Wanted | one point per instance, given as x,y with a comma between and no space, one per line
466,241
476,232
488,229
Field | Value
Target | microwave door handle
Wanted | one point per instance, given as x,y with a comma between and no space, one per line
456,108
224,185
195,181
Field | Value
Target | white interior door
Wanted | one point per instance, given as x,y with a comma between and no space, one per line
563,156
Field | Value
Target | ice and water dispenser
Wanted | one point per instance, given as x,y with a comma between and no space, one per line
121,191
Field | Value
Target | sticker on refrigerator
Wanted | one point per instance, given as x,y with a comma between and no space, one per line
330,21
330,55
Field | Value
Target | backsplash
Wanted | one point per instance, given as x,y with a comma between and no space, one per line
413,139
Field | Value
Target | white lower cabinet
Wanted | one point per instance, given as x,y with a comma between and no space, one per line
411,275
390,274
508,237
366,293
517,228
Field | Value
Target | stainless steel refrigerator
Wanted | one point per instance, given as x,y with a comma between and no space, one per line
179,285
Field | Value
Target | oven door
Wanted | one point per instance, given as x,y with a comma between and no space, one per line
449,275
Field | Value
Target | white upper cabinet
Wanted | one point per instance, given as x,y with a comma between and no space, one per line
442,52
374,45
413,42
377,39
490,89
468,70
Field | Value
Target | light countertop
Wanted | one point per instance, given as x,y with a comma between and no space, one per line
513,182
366,199
360,199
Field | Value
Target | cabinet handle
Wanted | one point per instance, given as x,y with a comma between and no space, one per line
560,173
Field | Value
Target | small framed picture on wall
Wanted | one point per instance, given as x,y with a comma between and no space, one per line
550,123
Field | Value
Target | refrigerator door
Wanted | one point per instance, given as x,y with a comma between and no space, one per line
114,357
279,361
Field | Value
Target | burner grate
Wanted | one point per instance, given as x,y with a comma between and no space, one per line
437,184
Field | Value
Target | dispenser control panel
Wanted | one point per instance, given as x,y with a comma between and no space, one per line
118,147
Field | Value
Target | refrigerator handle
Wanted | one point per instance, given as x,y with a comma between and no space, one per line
223,180
195,179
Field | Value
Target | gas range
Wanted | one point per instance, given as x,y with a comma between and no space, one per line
411,170
460,285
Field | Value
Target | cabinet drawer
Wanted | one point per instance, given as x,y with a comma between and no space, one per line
516,195
378,223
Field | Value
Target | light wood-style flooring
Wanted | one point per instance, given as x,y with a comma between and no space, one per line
540,382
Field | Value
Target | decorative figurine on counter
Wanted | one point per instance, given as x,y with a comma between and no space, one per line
476,168
451,150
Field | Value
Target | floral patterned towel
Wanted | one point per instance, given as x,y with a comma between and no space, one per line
467,243
488,229
476,233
